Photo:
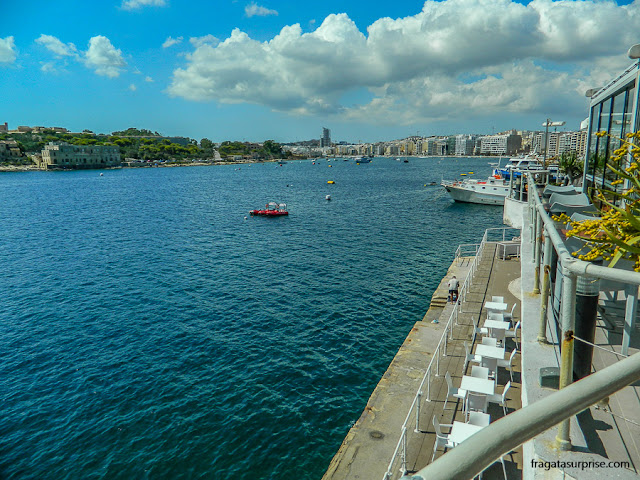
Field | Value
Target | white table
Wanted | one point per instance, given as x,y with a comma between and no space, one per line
496,306
486,351
461,431
497,328
497,324
478,385
490,356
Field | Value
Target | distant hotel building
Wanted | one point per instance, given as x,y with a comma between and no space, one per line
502,144
63,155
561,142
465,145
325,140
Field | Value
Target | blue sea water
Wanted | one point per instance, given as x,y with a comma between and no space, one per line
149,330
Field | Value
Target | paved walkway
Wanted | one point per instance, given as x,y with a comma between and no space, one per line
368,448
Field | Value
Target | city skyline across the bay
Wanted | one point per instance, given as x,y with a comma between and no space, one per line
258,70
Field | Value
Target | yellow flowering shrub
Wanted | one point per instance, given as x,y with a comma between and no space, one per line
616,235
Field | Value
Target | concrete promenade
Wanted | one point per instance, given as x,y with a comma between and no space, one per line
368,448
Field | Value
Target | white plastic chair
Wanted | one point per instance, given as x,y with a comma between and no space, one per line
499,316
508,364
480,372
513,333
508,317
497,299
453,391
492,342
476,402
470,357
442,439
478,330
479,419
500,399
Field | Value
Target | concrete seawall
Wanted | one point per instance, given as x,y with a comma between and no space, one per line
366,451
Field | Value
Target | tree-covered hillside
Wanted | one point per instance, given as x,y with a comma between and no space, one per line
147,145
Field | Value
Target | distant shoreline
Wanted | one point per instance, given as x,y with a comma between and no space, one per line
33,168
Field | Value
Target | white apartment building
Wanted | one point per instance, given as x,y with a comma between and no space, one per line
63,155
573,141
502,144
465,144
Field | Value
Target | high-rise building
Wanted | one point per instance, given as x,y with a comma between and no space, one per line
325,139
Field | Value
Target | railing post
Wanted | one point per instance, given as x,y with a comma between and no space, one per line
563,439
429,384
537,251
534,236
418,400
446,336
544,301
546,287
404,451
629,317
438,361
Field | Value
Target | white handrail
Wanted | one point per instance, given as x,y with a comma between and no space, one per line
489,444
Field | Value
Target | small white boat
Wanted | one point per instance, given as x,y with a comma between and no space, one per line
493,191
327,197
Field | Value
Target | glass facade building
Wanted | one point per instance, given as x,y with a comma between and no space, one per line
614,110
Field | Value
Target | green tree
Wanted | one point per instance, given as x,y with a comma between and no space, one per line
571,165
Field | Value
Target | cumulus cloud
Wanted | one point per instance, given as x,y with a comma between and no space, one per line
7,50
57,47
253,10
205,40
138,4
103,57
148,79
460,57
170,41
132,87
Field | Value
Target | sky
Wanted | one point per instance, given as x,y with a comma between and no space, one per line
282,70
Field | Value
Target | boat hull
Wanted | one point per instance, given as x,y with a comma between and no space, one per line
267,213
466,195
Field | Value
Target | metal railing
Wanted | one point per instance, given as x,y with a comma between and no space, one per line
489,444
499,438
466,250
441,350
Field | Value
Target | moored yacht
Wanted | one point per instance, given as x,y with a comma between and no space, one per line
492,191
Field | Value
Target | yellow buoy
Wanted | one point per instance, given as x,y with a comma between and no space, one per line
329,165
463,174
470,173
331,181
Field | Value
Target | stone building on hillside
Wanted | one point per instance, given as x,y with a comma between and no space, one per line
65,156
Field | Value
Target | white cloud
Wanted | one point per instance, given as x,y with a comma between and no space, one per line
171,41
49,67
253,10
455,57
148,79
205,40
132,87
138,4
7,50
103,57
57,47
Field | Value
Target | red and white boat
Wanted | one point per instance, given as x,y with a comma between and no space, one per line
271,209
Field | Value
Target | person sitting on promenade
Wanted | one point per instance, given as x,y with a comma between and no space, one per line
453,289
